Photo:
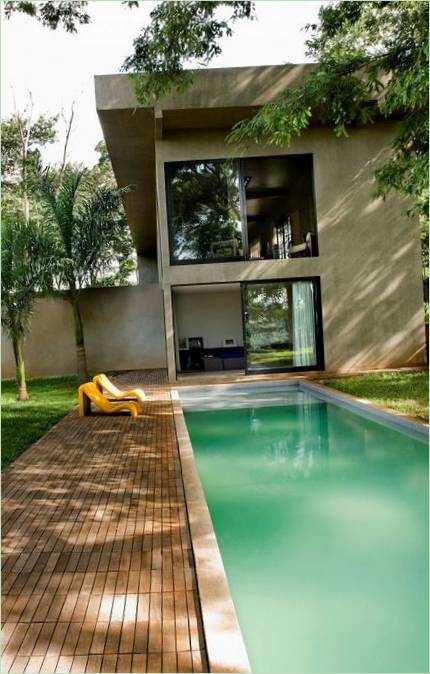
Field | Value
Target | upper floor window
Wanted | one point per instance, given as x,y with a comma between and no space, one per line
204,211
280,207
229,209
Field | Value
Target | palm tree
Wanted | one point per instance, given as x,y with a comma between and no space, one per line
25,258
85,222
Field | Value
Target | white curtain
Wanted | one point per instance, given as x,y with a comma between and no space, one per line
304,342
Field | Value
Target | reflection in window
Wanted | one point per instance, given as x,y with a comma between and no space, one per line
205,220
280,328
303,452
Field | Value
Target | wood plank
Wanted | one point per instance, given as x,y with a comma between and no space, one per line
100,575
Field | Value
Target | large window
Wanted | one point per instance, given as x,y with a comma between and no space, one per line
256,208
204,211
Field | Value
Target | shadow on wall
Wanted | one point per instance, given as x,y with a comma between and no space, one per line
374,296
369,262
249,86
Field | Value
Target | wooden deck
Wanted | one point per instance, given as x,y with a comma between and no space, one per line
98,570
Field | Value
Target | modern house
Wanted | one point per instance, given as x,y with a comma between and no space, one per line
270,258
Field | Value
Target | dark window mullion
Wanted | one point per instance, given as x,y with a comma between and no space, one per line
243,214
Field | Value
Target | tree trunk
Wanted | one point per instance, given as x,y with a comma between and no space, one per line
81,356
18,343
26,206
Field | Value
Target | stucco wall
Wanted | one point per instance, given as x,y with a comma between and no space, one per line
49,349
124,330
369,251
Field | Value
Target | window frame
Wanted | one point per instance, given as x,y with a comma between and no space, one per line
320,364
168,166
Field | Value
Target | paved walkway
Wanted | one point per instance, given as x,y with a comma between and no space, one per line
98,571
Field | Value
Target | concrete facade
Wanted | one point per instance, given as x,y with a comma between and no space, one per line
369,262
369,252
123,328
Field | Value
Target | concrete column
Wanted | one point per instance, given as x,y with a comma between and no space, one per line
147,270
170,334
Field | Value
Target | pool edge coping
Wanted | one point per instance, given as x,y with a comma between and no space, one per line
225,647
369,409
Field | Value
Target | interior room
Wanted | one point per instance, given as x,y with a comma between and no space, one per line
280,208
208,327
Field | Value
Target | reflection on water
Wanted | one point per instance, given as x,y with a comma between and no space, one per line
322,521
301,452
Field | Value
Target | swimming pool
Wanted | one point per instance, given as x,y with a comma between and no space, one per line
321,517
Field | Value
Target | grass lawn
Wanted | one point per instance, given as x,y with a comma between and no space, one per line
271,358
405,392
24,423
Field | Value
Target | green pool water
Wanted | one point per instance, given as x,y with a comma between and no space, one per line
321,517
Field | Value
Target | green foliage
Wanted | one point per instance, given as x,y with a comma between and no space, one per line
63,228
86,224
25,268
405,392
24,423
14,131
103,161
425,260
23,139
26,248
178,32
425,246
124,268
51,14
372,63
25,255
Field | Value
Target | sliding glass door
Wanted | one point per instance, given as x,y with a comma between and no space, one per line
281,325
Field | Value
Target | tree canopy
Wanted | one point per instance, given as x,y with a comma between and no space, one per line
51,14
88,224
63,228
122,254
83,223
26,254
23,138
17,132
371,62
179,32
69,15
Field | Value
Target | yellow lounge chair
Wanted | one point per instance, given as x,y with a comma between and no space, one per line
88,393
105,385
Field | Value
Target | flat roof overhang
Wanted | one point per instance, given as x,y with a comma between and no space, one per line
217,99
130,141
